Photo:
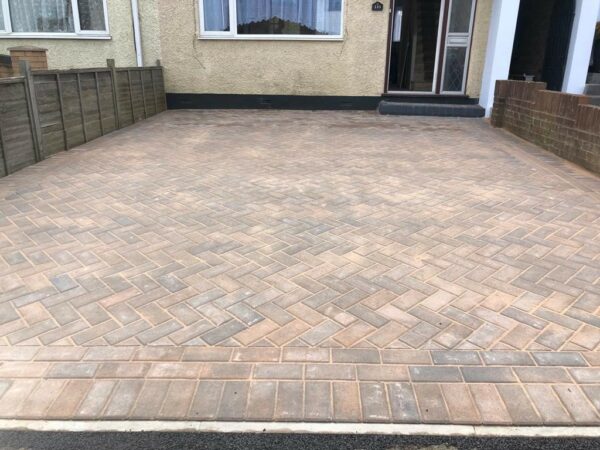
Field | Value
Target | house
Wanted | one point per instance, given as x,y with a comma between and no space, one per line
319,53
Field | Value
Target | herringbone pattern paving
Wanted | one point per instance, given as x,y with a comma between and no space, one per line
301,266
301,229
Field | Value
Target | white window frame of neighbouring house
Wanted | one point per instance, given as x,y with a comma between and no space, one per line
47,11
324,13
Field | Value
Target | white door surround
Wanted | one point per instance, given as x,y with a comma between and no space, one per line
580,49
503,25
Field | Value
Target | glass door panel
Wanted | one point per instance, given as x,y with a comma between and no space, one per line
458,41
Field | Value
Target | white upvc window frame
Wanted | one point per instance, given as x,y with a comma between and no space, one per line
7,32
233,35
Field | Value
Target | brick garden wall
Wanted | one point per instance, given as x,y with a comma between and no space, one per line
561,123
10,64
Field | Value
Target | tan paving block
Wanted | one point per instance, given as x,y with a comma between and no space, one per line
461,407
256,332
548,405
431,403
23,369
178,398
65,405
261,400
346,402
15,395
288,332
34,313
40,399
489,404
354,333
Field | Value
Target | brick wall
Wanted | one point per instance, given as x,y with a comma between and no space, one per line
561,123
37,57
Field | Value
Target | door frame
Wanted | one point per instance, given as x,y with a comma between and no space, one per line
467,54
440,56
437,51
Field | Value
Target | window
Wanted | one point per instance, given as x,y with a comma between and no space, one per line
271,19
91,15
53,18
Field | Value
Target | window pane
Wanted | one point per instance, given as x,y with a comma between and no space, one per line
91,15
2,27
308,17
41,16
460,17
216,15
455,69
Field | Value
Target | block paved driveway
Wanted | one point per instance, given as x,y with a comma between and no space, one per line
327,266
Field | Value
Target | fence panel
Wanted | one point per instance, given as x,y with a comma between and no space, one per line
50,112
90,103
70,107
124,99
72,110
107,106
149,95
137,95
16,131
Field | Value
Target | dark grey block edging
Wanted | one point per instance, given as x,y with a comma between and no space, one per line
430,109
297,102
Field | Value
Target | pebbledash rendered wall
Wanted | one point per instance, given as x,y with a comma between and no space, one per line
561,123
481,30
354,66
80,53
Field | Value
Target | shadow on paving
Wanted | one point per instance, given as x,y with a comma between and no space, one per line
61,441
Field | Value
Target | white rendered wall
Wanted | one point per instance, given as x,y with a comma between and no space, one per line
499,49
582,40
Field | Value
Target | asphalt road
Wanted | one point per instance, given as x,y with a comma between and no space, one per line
13,440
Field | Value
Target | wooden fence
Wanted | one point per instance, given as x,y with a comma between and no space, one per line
48,111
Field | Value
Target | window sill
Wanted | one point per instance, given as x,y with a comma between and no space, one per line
90,36
273,37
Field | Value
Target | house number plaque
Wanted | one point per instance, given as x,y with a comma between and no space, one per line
377,6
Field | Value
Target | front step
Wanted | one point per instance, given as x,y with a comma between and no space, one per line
592,89
594,100
430,98
593,78
430,109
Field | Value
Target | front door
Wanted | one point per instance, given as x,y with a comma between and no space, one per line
429,46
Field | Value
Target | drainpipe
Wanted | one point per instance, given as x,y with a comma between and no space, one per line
137,35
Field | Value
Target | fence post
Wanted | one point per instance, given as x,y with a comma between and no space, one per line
131,96
113,76
162,76
61,104
34,115
3,151
154,97
143,84
98,100
81,108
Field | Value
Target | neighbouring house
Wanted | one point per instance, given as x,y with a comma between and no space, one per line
414,55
